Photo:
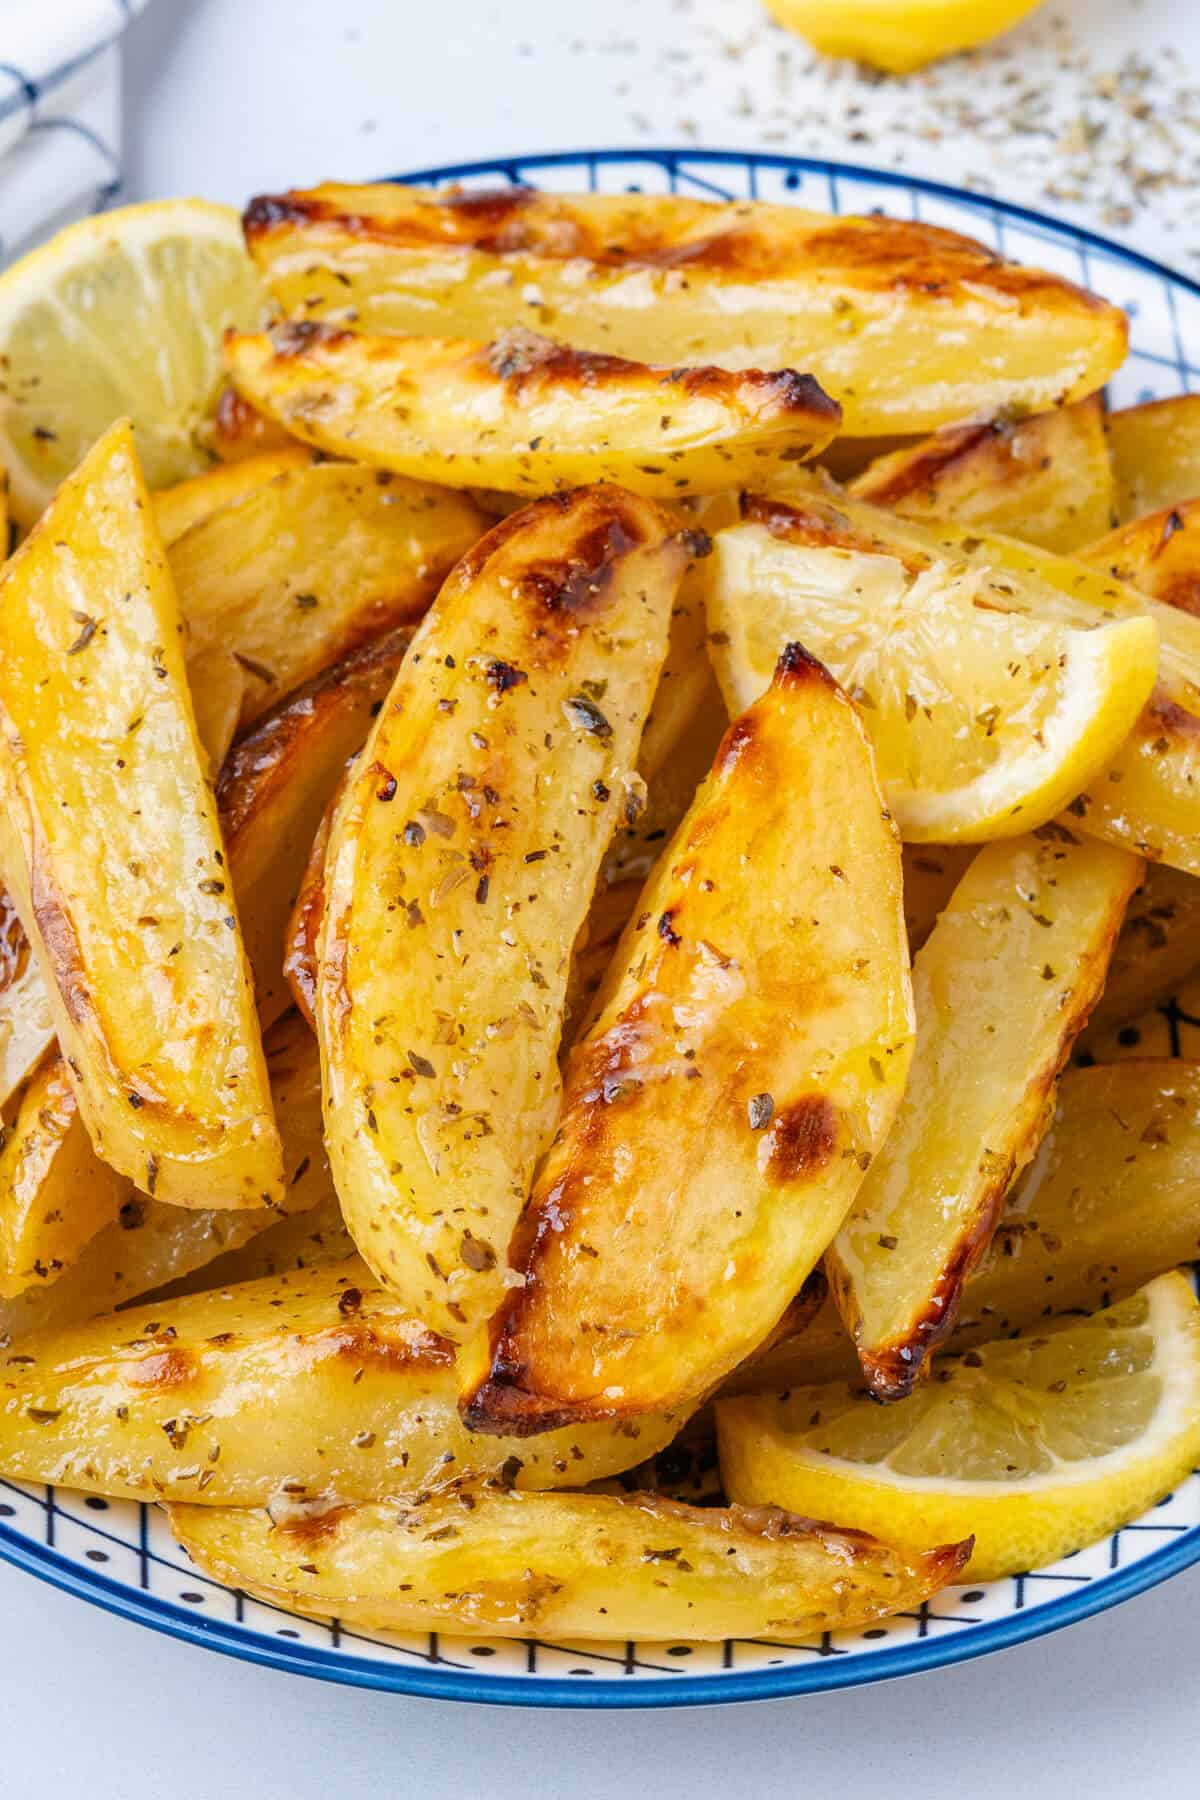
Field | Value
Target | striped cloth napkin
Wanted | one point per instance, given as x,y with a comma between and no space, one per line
60,92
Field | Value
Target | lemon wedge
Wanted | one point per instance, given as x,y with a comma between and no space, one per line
1037,1445
117,316
988,709
898,35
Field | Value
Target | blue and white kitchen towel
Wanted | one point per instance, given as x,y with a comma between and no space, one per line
60,125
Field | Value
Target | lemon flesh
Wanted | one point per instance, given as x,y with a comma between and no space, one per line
898,35
988,712
119,316
1037,1445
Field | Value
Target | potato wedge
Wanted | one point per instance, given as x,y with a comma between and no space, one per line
26,1027
274,789
526,415
1158,553
1110,1200
217,682
178,508
1005,980
55,1193
1046,479
110,849
510,1564
303,930
1156,455
505,745
152,1245
313,1384
931,874
240,433
705,1157
1159,947
300,572
909,326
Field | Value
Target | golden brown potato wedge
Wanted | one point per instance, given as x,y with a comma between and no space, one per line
1046,479
1158,553
525,414
510,1564
300,572
911,327
273,792
1159,947
303,930
1156,455
217,682
178,508
1003,983
1111,1199
110,848
931,874
461,863
152,1245
705,1157
239,432
55,1193
688,715
313,1384
26,1027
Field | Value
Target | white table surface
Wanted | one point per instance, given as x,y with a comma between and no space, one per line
224,98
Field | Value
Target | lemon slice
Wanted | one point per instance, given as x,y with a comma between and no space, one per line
117,316
1037,1445
988,711
898,35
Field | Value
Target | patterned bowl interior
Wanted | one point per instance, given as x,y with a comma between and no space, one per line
121,1556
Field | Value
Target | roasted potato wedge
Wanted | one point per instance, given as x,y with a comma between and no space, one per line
318,1383
273,792
911,327
506,744
1155,450
303,928
1002,985
152,1245
26,1027
55,1193
687,687
217,682
1110,1200
1047,479
705,1157
298,573
510,1564
1159,947
178,508
1158,553
110,848
240,433
526,415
